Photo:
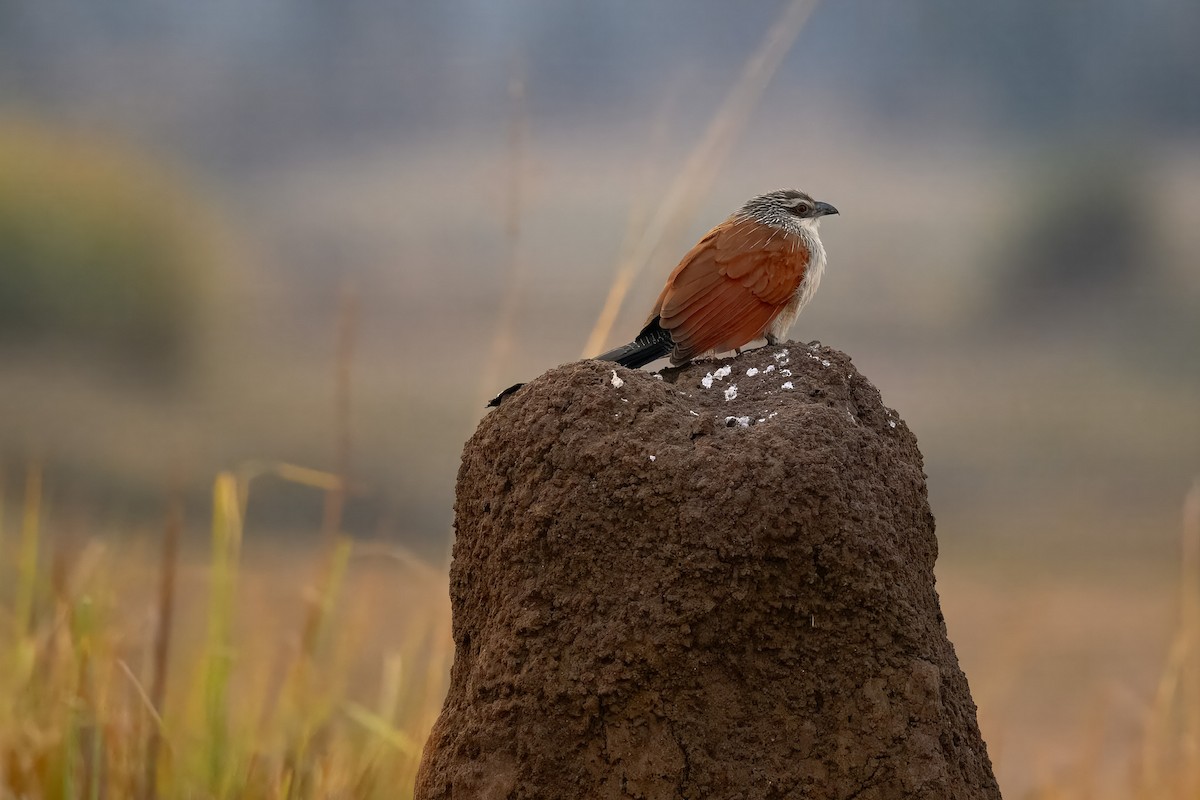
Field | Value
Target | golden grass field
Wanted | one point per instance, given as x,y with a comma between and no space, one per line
137,667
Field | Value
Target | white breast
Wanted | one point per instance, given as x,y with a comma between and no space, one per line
808,285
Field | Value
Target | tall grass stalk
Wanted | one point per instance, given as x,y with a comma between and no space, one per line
218,659
347,328
3,510
24,645
161,648
703,163
27,561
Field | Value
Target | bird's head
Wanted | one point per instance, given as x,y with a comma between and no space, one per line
787,208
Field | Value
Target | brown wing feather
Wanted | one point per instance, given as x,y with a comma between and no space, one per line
727,290
707,326
726,331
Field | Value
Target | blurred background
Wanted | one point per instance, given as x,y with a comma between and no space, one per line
325,233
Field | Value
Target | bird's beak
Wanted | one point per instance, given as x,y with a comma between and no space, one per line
823,209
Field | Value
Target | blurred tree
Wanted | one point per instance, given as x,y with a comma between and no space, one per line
1082,237
99,251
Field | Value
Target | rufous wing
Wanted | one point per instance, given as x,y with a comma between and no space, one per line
730,287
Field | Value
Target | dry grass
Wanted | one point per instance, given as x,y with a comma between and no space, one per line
237,675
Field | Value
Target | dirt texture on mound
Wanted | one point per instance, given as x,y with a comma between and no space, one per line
714,584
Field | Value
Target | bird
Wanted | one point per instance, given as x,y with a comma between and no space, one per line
746,279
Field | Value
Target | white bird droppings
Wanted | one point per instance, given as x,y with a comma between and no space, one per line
824,362
616,380
741,422
652,458
731,392
750,373
782,355
768,368
787,373
891,423
720,374
787,385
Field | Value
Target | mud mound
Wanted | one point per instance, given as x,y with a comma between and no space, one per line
717,585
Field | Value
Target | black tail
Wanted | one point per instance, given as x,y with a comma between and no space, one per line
653,343
498,399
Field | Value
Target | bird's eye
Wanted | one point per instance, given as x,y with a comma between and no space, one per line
800,209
